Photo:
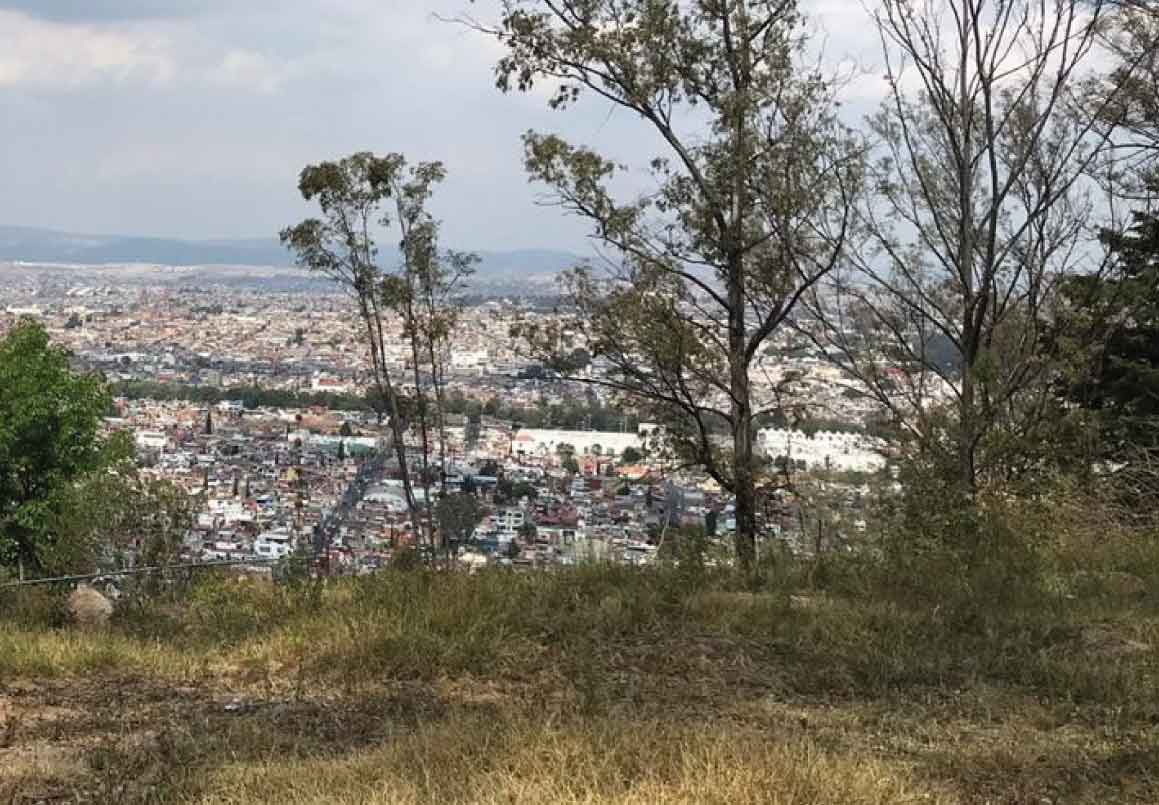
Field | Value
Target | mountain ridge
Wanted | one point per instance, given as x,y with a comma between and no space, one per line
39,245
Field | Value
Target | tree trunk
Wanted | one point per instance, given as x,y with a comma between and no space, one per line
371,315
424,428
744,481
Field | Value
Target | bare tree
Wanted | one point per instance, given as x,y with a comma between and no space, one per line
977,204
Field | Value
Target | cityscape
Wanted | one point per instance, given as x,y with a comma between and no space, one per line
270,481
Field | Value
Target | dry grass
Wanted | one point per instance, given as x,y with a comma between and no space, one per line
480,760
31,653
598,685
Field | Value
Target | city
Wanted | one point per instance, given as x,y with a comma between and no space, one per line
269,480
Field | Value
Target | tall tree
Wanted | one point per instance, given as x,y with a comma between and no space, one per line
749,206
1110,319
976,206
50,440
340,245
427,295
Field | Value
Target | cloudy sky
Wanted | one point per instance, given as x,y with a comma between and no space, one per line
192,118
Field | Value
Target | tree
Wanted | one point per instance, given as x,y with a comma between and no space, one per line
523,489
473,430
570,465
1112,318
750,207
346,431
528,532
425,293
50,440
351,194
457,516
119,517
631,455
1132,116
490,469
469,486
209,422
976,205
1118,313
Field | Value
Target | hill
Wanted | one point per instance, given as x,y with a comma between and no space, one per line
26,244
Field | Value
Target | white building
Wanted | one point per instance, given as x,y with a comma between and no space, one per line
275,544
824,449
535,442
151,440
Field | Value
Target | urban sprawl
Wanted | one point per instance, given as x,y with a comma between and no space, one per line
251,399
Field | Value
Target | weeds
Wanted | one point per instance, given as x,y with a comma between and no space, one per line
610,684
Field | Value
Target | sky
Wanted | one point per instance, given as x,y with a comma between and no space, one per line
193,118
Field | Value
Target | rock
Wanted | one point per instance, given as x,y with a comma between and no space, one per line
88,608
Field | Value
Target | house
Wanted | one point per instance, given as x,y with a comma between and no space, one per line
275,544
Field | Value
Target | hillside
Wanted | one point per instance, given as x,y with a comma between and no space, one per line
592,685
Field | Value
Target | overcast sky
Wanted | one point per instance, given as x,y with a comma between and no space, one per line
192,118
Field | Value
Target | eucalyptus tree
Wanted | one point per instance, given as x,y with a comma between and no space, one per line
427,293
360,196
352,194
977,204
747,209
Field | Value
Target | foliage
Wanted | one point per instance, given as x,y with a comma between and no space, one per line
121,517
748,213
631,455
50,440
457,515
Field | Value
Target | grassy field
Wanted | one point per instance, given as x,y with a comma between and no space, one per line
595,685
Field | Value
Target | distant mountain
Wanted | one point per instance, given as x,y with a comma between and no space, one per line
47,246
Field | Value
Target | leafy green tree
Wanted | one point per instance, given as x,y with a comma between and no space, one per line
50,440
120,517
750,207
523,489
571,465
